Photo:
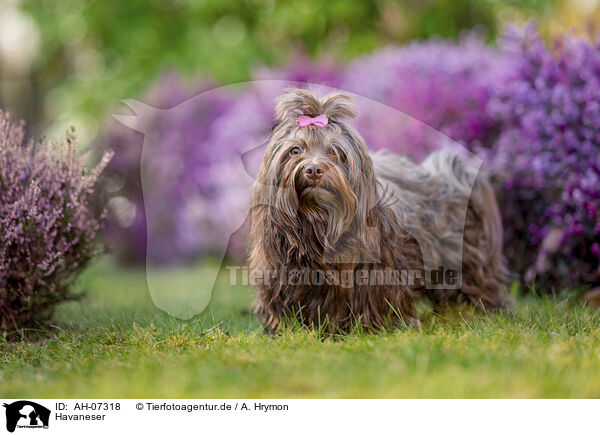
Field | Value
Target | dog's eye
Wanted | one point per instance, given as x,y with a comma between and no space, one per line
337,153
295,151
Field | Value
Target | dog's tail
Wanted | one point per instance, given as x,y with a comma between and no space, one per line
485,275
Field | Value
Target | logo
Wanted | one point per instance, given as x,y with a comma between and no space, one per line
26,414
173,232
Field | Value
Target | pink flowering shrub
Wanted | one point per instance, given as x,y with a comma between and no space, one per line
47,228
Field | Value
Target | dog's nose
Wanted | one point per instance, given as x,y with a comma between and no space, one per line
314,172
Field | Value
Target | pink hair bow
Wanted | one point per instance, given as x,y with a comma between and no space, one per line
319,121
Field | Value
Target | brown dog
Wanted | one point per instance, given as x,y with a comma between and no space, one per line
339,237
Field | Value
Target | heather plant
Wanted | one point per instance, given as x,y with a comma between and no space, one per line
48,230
547,158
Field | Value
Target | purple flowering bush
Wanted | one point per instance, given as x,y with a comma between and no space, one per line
444,84
198,138
181,194
406,96
531,112
49,231
546,160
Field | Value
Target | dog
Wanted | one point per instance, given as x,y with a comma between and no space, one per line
323,208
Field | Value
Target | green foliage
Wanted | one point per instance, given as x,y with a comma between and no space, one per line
117,344
95,53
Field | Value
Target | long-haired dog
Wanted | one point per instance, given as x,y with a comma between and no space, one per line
336,234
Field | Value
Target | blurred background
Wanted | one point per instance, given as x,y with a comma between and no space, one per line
70,63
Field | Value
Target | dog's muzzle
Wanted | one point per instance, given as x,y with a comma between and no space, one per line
313,173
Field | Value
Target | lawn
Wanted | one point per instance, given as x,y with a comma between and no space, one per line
115,343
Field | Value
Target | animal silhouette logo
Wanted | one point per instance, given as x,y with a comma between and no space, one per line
238,172
26,414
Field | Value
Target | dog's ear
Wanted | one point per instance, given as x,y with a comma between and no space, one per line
297,102
338,106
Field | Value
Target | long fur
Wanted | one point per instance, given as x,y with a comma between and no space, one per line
369,213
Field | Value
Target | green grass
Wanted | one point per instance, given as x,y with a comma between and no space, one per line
115,343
